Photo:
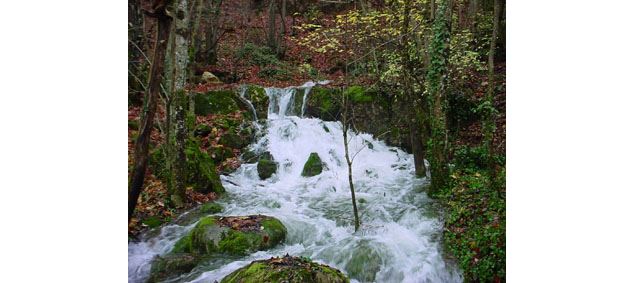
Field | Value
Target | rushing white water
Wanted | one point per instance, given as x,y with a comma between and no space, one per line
399,236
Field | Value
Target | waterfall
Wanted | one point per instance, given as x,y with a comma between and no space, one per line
242,90
399,236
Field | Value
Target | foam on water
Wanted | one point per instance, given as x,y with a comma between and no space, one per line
400,231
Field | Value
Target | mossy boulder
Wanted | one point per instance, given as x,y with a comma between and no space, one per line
232,140
259,99
323,103
234,235
215,102
172,265
201,170
286,269
313,165
266,166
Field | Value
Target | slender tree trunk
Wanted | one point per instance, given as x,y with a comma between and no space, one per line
432,9
349,162
150,104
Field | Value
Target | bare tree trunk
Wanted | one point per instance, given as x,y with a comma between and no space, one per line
213,32
415,141
272,42
155,9
180,102
349,162
432,9
283,14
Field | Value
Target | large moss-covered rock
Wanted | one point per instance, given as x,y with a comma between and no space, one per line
172,265
234,235
313,165
215,102
286,269
266,166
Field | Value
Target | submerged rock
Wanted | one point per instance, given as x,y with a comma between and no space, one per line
172,265
365,262
313,165
211,207
266,166
286,269
234,235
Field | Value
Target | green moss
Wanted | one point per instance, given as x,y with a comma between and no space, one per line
276,232
171,265
211,207
215,102
357,94
313,165
153,221
183,245
286,269
259,99
323,103
240,243
208,237
232,140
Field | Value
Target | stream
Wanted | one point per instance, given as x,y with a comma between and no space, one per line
399,239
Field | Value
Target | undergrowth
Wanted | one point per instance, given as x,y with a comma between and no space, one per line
474,232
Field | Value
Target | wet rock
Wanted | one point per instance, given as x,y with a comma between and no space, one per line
233,235
266,166
313,165
172,265
286,269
